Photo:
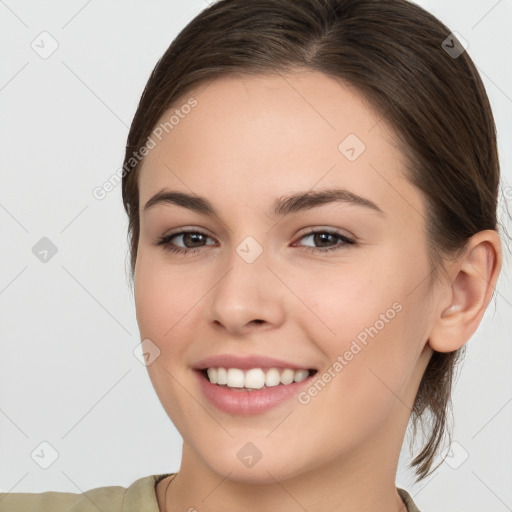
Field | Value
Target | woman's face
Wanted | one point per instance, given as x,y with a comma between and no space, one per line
254,286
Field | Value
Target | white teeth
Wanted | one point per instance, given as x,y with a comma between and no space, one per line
213,375
272,377
235,378
301,375
255,378
287,376
222,376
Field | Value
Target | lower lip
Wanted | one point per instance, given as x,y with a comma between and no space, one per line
246,403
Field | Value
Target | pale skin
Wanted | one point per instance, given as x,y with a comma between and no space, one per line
248,142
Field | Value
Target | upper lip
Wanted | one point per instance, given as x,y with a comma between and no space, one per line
247,362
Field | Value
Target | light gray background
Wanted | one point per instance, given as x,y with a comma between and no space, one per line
68,374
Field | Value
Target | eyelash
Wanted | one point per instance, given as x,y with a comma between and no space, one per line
167,246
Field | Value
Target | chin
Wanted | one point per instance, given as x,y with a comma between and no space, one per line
260,473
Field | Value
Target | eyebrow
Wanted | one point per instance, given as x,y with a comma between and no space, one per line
285,205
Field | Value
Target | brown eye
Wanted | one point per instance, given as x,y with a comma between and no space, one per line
192,241
322,237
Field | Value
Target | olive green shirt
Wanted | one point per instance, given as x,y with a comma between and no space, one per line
138,497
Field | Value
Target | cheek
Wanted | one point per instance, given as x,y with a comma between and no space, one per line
165,300
371,327
165,296
169,300
364,385
350,297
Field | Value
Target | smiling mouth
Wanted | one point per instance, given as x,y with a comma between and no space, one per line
255,378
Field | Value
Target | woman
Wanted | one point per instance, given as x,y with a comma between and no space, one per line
311,190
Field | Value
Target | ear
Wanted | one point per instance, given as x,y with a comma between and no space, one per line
468,290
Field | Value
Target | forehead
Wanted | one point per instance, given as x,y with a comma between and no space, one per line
310,104
267,134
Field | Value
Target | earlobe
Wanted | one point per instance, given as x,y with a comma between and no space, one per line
474,276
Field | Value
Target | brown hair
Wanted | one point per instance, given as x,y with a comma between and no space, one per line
398,56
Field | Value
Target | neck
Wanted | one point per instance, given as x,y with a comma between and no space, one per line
363,480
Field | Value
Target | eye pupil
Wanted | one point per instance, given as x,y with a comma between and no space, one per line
322,238
196,238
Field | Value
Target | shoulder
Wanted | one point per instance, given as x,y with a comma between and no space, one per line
406,498
138,497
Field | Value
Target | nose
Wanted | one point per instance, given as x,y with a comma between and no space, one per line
247,295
